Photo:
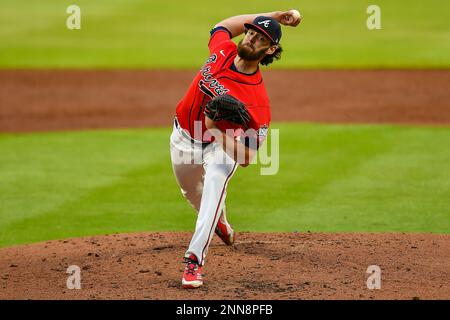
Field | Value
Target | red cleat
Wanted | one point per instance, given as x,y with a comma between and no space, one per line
192,276
224,230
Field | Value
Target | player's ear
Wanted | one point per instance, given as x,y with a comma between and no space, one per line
271,49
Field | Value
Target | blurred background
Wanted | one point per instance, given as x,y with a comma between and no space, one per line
174,34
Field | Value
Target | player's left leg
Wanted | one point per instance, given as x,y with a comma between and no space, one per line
219,168
190,181
190,178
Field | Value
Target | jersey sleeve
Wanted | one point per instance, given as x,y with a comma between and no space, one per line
219,35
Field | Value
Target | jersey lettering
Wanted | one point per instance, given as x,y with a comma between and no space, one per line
211,82
211,59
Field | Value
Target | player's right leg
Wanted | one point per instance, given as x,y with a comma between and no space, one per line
187,167
224,230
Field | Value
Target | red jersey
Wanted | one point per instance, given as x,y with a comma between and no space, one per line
218,76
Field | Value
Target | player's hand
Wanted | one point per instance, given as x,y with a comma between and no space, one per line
290,18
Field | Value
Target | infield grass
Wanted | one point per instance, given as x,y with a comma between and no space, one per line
174,34
331,178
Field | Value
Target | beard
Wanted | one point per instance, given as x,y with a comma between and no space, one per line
247,52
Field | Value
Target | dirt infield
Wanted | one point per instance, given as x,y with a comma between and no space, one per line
259,266
66,100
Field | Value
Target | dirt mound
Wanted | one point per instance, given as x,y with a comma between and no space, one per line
66,100
259,266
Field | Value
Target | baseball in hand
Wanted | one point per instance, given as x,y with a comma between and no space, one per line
295,14
292,18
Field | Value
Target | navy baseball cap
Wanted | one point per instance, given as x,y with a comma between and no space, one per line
267,26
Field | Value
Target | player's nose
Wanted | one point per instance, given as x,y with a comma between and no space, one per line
253,38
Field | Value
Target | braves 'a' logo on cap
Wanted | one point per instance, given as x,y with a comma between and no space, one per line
265,23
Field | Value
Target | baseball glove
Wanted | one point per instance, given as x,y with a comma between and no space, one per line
226,107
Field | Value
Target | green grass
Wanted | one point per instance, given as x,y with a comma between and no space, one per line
174,34
331,178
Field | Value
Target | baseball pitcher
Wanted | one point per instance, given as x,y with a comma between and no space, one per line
221,122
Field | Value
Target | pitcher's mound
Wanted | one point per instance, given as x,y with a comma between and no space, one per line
259,266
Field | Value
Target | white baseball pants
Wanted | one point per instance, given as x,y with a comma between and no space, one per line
203,173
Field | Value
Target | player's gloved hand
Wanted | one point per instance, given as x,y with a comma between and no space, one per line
226,107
